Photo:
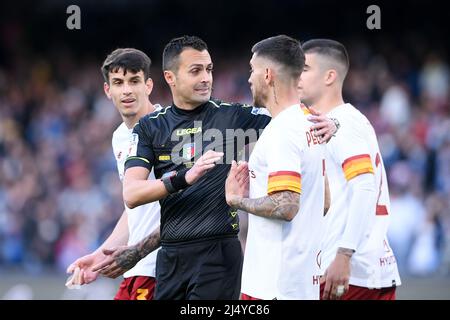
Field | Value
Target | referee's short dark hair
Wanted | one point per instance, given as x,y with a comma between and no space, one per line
283,50
174,48
330,49
128,59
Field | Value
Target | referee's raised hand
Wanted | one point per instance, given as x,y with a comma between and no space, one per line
202,165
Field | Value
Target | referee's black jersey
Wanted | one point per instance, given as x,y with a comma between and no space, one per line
172,139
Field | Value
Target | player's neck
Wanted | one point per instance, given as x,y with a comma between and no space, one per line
328,102
184,105
130,122
282,101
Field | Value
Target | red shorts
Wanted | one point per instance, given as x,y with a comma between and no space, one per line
136,288
362,293
247,297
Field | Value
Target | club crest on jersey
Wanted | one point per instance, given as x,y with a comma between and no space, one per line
188,151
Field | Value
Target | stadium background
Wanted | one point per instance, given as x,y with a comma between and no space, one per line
59,190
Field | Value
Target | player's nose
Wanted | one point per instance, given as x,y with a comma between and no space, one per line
126,89
206,76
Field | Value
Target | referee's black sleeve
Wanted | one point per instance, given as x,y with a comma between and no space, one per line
141,154
251,117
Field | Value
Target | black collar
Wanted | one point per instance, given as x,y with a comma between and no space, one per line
184,112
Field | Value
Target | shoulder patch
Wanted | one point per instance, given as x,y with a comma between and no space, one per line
257,111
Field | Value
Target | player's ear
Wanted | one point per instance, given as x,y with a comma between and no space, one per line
169,76
268,76
330,77
106,89
149,86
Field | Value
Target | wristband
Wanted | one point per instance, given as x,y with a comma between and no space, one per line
179,180
168,184
175,181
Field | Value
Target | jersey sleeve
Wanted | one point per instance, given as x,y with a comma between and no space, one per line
350,149
283,163
141,150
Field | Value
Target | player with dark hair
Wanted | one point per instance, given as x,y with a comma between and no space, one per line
128,84
287,182
356,255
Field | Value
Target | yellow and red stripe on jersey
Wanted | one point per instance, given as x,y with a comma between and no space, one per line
354,166
284,181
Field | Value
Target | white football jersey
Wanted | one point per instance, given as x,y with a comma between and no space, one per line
354,151
280,256
143,219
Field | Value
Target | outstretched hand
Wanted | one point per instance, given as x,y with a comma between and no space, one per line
84,264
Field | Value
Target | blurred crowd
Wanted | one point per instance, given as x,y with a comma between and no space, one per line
60,194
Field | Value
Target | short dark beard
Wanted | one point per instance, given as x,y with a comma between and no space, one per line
257,103
306,101
259,99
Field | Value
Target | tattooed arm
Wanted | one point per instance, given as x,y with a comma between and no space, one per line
281,205
124,258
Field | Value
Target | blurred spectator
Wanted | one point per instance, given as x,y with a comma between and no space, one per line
435,80
395,107
407,213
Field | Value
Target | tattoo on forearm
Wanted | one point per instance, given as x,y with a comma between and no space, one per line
149,243
129,257
346,252
281,205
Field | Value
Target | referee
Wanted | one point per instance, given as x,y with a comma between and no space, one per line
201,256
